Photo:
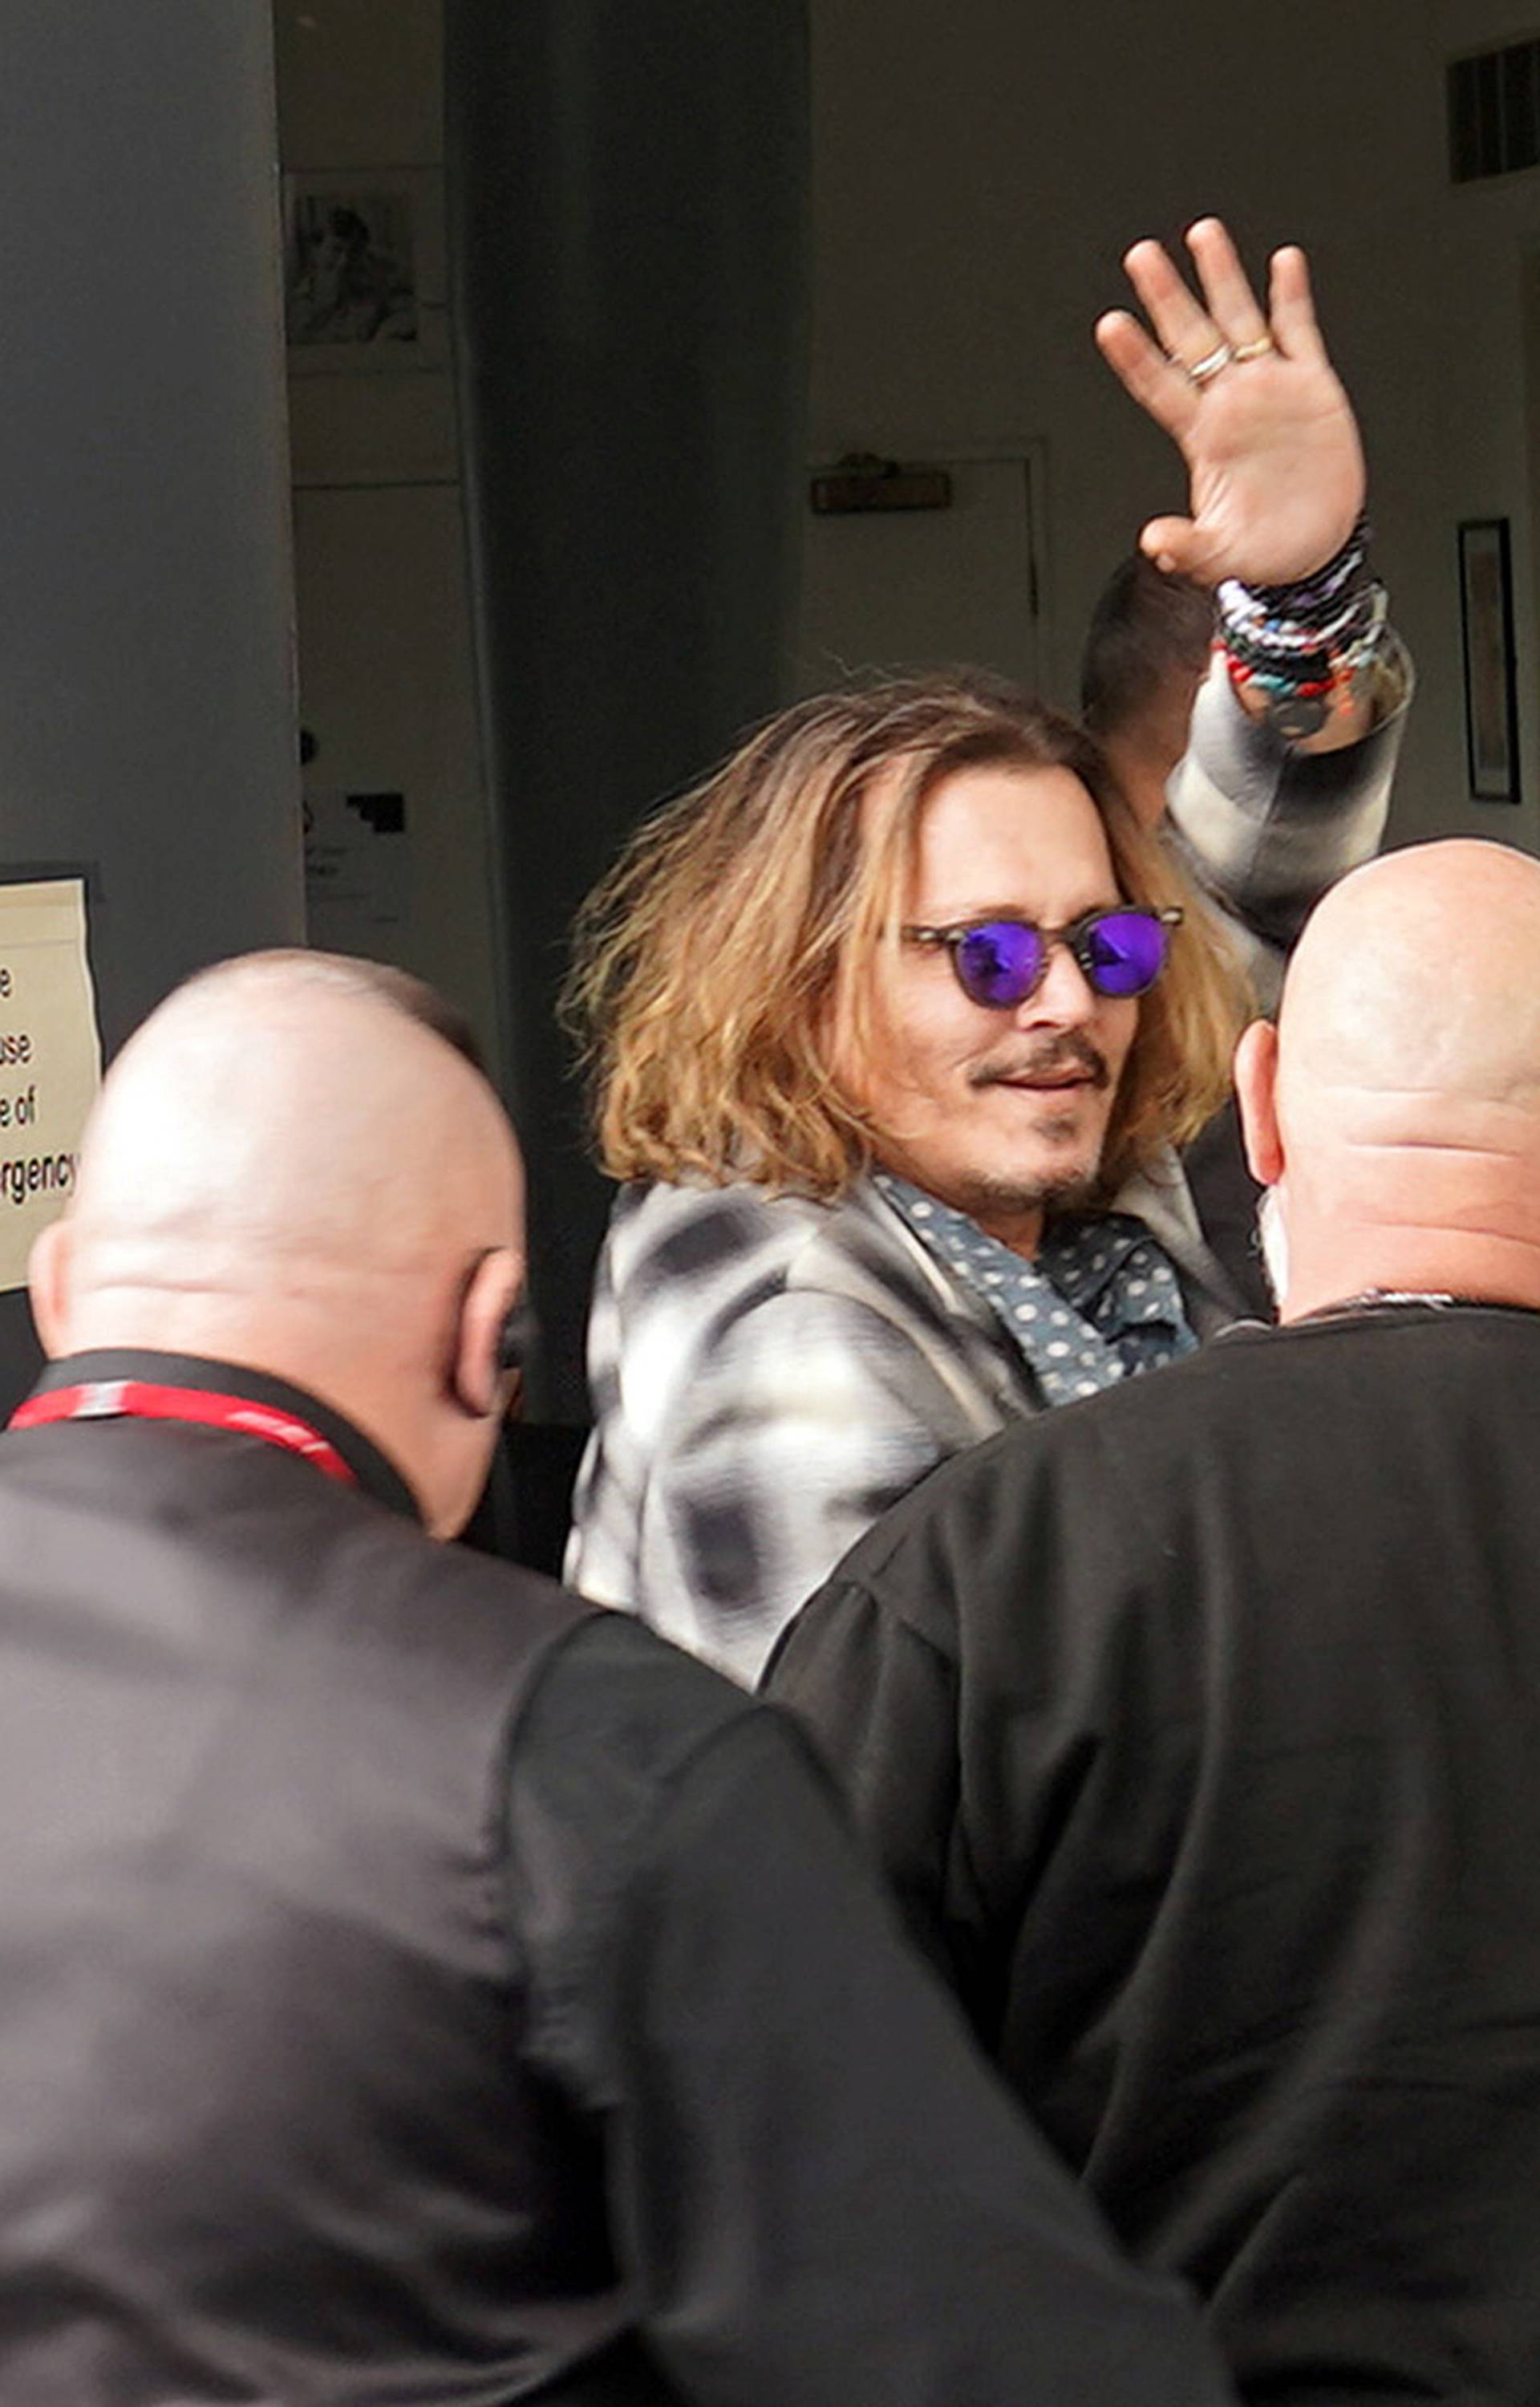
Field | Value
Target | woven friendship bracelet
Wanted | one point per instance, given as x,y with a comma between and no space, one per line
1316,662
1273,645
1310,597
1303,646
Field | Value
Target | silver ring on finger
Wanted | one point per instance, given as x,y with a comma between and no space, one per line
1212,363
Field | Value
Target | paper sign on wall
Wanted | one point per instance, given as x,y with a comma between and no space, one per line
50,1058
357,885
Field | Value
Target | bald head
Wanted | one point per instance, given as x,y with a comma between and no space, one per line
1400,1116
292,1166
1413,1000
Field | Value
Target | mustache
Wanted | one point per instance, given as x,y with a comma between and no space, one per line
1049,1060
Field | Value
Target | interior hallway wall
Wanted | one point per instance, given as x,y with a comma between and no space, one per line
979,172
387,687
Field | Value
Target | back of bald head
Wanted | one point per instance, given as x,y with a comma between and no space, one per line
1411,1010
291,1125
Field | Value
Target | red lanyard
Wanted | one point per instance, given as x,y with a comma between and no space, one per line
143,1400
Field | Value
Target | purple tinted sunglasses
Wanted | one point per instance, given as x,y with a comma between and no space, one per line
998,963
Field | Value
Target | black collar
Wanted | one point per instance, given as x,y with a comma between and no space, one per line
374,1475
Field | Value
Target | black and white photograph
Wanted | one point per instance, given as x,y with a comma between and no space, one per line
356,263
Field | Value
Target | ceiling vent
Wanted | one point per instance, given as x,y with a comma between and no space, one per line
1494,112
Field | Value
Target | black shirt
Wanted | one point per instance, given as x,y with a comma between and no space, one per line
1199,1728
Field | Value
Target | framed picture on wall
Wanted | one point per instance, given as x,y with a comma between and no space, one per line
1492,685
364,271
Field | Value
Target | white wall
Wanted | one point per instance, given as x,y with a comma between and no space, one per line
979,172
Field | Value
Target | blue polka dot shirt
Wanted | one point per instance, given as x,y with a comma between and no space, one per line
1100,1303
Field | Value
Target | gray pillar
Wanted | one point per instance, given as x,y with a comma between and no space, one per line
628,236
146,715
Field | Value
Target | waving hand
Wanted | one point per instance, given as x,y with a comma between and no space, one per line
1267,430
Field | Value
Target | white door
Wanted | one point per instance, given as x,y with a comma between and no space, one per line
397,851
894,590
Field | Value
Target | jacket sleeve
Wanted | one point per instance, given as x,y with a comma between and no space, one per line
1264,829
819,2193
809,1415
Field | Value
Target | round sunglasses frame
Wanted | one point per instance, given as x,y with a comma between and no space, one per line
1076,937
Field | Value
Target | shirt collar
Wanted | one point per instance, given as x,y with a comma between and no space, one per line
374,1474
1100,1302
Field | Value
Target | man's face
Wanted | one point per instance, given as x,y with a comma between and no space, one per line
998,1112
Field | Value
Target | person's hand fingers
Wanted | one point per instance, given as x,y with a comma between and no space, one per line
1291,307
1146,372
1232,303
1184,331
1176,547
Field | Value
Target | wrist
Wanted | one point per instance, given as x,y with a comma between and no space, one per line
1301,656
1312,595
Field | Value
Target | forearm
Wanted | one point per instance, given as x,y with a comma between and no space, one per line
1348,724
1266,826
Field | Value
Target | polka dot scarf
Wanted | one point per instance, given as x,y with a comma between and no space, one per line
1100,1303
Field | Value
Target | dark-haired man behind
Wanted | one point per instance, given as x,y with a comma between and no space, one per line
414,1984
1148,648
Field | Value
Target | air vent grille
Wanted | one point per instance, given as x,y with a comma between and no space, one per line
1494,112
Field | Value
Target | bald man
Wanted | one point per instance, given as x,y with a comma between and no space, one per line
1198,1726
416,1985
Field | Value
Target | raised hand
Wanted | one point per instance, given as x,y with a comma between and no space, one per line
1268,431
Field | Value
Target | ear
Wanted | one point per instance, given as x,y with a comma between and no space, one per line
48,1287
1256,1092
477,1379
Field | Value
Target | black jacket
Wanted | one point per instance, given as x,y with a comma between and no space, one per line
418,1987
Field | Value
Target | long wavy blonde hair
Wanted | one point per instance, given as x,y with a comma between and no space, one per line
732,954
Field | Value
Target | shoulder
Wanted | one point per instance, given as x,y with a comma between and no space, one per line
597,1722
446,1616
617,1692
669,1238
732,1247
1234,1420
1027,1568
1083,1482
618,1724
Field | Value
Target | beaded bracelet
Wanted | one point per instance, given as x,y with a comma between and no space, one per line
1304,646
